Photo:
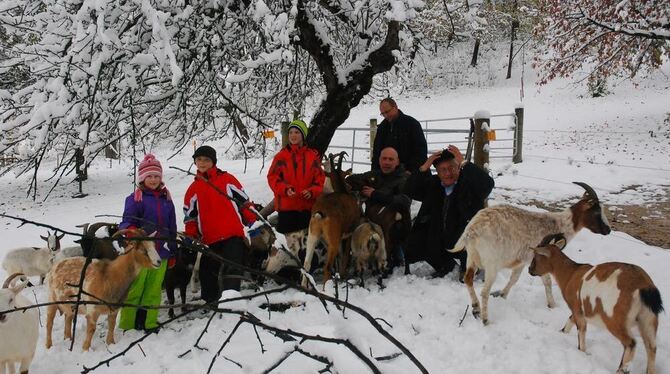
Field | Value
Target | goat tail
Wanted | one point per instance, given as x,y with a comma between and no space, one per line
460,244
651,298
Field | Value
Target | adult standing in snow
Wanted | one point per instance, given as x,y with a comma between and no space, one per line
449,200
150,208
218,221
401,132
296,179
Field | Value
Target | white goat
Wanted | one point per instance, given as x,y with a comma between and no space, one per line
106,280
501,237
615,295
33,261
19,330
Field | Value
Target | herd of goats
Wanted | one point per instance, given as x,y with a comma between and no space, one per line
618,296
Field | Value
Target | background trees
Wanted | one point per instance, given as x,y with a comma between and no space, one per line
603,38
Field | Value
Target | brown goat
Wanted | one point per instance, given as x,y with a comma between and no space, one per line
614,294
368,248
334,218
106,280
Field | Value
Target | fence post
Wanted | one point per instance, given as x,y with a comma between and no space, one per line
518,135
373,134
481,147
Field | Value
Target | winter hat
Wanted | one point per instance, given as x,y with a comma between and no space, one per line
205,151
301,126
445,156
149,166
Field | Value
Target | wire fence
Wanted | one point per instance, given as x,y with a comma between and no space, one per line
439,133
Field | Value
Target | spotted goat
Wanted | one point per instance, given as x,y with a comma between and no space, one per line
615,295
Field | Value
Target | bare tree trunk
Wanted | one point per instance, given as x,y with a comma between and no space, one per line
339,100
475,52
515,25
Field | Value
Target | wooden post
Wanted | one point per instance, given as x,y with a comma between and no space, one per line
481,153
373,134
284,133
518,135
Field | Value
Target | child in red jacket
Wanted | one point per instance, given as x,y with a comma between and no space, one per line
218,221
296,178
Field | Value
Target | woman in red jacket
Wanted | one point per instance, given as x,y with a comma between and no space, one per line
296,178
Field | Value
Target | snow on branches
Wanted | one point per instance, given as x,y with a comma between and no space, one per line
604,37
99,70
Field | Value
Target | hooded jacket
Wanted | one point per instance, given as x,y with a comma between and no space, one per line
154,211
298,168
209,214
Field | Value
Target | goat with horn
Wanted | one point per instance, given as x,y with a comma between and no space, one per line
500,237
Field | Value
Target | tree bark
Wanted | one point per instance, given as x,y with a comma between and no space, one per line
341,96
475,52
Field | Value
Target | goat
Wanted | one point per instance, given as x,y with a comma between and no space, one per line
368,247
615,295
334,218
97,245
179,275
500,237
33,261
334,175
106,280
19,330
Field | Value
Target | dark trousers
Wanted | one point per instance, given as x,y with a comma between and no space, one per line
232,249
419,249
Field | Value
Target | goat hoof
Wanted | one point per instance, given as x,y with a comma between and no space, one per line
551,305
485,322
475,313
498,294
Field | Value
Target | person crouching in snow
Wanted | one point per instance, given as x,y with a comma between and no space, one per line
296,178
150,208
218,221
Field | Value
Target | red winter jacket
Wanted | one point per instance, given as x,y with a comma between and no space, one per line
298,168
211,215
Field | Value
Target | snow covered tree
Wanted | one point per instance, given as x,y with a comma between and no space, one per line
171,70
604,38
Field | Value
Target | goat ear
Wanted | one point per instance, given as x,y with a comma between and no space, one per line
560,243
44,238
153,234
542,251
59,237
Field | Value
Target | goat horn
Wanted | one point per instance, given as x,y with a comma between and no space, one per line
588,189
9,279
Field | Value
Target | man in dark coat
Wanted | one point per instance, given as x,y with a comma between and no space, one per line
449,201
384,192
401,132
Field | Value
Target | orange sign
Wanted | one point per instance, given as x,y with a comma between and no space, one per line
491,135
268,134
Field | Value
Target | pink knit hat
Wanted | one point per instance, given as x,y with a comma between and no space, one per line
149,166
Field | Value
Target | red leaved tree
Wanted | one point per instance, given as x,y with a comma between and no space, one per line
603,37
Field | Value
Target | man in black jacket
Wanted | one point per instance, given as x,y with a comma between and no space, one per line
449,201
401,132
384,193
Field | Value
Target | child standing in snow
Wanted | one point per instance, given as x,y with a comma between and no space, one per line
296,178
218,221
150,208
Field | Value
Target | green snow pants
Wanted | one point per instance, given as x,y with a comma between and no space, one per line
145,290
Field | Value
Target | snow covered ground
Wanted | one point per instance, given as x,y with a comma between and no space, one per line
605,142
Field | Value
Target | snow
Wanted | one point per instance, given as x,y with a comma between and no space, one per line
603,142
